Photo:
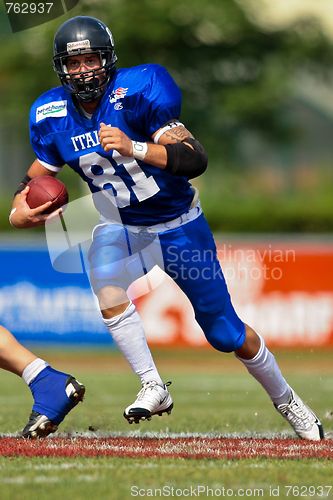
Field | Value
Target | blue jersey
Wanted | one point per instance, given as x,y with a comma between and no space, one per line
139,101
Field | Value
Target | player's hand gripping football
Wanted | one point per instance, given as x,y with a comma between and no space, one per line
24,216
114,138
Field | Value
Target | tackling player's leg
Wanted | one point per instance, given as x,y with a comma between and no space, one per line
55,393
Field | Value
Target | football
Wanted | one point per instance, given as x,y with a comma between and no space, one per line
47,188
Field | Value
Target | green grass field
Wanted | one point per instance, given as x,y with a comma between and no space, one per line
212,393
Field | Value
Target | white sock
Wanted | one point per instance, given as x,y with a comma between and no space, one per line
128,333
264,368
33,369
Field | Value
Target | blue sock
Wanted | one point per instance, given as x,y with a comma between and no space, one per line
50,398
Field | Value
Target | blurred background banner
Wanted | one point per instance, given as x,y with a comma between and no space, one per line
257,84
38,305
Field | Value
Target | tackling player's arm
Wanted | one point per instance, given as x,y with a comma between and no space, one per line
21,215
174,149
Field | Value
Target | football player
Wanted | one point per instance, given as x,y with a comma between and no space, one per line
55,393
120,130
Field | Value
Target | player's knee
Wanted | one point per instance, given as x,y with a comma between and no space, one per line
225,343
112,301
223,334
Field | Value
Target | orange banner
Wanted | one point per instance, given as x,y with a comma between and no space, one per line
284,290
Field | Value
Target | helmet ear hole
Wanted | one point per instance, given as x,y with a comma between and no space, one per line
78,35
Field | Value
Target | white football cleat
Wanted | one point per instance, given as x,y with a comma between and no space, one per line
304,422
153,399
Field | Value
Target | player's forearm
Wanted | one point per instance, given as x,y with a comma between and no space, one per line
186,158
154,154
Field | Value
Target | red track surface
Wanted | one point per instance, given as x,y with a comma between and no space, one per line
187,447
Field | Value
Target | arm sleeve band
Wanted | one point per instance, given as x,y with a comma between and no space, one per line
22,184
185,161
167,126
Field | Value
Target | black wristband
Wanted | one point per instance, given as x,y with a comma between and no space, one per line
22,184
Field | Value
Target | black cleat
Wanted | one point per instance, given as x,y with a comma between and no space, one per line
42,423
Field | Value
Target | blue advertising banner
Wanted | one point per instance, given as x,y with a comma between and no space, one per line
41,305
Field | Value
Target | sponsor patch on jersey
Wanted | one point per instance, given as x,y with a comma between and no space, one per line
81,44
53,109
117,94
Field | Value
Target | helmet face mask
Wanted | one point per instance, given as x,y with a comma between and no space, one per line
83,35
86,85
